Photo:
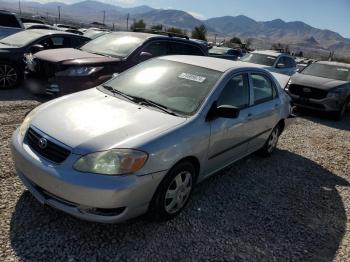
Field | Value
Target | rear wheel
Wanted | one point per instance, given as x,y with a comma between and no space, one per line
271,142
173,192
9,75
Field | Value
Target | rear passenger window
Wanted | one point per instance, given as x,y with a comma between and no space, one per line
9,21
236,92
263,89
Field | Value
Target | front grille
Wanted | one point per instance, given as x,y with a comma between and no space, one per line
314,93
52,151
44,69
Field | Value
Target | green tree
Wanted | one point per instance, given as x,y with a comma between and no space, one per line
157,27
176,30
200,32
236,40
138,25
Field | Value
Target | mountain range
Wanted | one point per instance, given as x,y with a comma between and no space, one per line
297,35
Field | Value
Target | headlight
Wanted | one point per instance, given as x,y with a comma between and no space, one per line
79,71
112,162
288,84
26,122
337,92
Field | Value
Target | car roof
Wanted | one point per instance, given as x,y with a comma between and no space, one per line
221,48
212,63
269,52
50,32
146,36
333,63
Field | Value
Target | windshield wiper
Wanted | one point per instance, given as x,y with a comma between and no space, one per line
115,91
144,101
141,100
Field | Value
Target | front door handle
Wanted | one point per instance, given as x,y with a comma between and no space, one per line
250,116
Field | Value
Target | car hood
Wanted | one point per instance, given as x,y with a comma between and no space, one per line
91,121
315,81
70,56
4,47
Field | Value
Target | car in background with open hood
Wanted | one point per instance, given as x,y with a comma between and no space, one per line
70,70
14,48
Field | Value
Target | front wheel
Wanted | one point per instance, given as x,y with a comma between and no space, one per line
174,192
271,142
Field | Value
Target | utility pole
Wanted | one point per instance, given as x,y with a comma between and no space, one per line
19,7
127,22
215,40
59,13
104,17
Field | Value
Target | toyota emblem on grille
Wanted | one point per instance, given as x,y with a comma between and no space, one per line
42,143
307,90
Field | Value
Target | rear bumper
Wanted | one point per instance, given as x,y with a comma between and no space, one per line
92,197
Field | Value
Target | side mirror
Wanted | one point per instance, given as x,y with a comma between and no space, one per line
224,111
36,48
280,65
145,55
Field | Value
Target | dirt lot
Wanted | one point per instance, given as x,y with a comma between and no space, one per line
294,205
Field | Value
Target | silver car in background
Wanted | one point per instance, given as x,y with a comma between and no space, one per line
140,142
273,61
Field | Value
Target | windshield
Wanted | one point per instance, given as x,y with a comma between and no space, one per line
177,86
259,59
328,71
113,45
21,38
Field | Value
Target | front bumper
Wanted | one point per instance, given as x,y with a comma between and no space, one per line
327,104
92,197
61,85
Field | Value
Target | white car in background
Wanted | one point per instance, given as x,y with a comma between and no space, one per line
273,61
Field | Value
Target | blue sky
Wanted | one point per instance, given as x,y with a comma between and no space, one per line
323,14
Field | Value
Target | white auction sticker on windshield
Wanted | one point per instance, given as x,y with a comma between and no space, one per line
191,77
271,57
343,69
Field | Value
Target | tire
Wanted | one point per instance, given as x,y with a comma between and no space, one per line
10,76
271,143
341,113
173,192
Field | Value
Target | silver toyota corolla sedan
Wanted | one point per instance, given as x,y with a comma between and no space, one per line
140,142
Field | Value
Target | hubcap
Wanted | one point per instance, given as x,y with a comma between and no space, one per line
178,192
8,76
273,139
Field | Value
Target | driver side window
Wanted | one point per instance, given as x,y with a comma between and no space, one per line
157,48
236,92
283,62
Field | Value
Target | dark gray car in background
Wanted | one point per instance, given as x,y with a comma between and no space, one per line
323,86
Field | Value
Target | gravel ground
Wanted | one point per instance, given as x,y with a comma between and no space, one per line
294,205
